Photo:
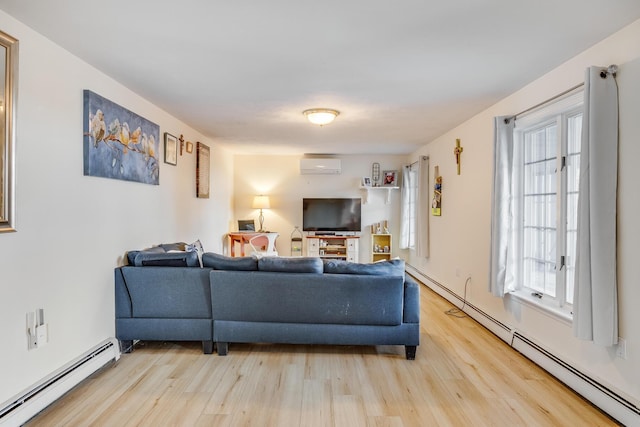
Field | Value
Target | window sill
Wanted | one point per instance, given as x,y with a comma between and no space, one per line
563,314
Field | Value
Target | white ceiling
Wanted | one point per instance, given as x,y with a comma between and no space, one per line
400,72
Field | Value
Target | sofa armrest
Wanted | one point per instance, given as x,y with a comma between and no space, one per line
123,299
411,311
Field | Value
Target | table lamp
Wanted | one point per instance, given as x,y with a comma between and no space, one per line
261,202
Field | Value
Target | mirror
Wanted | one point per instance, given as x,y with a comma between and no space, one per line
8,75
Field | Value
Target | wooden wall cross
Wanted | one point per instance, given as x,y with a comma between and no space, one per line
457,151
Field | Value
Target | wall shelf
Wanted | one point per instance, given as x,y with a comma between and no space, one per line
367,190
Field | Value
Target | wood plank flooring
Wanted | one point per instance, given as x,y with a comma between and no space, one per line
462,376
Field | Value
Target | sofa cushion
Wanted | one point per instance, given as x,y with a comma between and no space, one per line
169,259
178,246
221,262
394,267
338,299
131,255
290,265
169,293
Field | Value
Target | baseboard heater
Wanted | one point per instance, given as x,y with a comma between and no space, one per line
26,405
597,393
498,328
591,389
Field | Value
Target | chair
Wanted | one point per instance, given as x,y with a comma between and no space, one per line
264,244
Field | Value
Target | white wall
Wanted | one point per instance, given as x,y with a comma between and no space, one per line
73,230
279,178
460,237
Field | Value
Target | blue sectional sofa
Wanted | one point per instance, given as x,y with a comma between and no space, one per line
175,296
306,301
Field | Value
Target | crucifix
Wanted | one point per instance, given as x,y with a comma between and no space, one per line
457,151
181,139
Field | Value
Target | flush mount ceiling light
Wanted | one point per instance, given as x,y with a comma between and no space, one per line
320,116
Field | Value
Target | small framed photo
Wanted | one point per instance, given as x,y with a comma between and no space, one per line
366,181
390,178
189,147
170,149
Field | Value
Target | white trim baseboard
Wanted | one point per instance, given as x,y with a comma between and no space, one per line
27,404
600,395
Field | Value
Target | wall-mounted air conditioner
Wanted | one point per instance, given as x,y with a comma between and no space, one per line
319,166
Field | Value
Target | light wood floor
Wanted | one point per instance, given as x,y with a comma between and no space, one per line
462,376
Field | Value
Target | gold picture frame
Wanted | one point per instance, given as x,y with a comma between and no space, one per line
202,170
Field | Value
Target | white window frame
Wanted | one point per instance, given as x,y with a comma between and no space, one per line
413,209
558,113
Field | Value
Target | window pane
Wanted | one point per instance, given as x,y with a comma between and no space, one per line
572,212
532,147
534,271
574,128
573,172
570,265
534,211
552,142
550,280
574,135
539,209
545,234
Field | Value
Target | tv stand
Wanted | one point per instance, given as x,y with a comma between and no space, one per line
333,247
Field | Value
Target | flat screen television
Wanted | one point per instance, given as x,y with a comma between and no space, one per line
332,215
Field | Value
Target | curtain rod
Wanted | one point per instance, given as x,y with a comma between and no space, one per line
416,162
553,98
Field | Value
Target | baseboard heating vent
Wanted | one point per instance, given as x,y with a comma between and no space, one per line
600,395
500,329
26,405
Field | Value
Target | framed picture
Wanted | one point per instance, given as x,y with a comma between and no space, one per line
366,181
389,178
170,149
189,147
118,143
202,171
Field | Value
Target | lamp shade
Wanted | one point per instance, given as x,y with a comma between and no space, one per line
320,116
261,202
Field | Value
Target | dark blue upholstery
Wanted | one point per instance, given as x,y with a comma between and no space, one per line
131,255
277,300
221,262
163,303
394,267
290,265
166,259
177,292
260,296
312,308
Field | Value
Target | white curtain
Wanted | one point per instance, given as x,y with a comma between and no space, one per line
500,278
595,291
423,209
408,181
415,176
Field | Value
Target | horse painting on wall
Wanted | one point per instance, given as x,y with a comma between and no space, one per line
118,143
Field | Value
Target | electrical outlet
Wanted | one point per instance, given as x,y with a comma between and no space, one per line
43,334
621,348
